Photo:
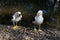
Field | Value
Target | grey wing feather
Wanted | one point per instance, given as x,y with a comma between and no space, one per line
35,22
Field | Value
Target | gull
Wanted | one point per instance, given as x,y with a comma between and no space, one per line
16,18
38,19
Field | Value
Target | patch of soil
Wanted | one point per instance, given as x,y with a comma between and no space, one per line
23,33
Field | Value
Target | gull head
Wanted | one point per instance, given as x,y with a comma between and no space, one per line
40,12
57,0
19,12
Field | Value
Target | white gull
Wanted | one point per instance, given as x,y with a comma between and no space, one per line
39,19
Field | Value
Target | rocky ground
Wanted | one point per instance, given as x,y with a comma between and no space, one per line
6,33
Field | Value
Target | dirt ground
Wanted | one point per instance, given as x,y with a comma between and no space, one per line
6,33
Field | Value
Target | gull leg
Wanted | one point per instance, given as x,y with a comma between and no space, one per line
19,22
15,27
35,28
39,28
16,23
13,23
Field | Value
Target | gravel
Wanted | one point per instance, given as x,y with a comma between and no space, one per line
6,33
